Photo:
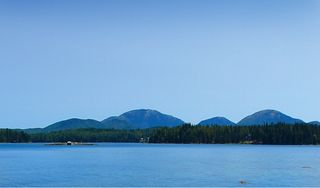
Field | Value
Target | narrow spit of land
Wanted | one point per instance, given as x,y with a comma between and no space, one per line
69,143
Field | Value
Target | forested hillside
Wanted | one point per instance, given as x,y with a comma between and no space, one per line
13,136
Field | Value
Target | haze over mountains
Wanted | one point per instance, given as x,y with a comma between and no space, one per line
314,123
146,118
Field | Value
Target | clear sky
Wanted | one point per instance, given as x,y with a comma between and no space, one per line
191,59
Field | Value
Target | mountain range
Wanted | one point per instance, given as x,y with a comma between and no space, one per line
147,118
134,119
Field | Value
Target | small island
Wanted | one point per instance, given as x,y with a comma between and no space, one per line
69,143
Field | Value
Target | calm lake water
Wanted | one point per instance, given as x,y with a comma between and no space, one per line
111,164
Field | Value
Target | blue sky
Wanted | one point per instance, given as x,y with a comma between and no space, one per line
192,59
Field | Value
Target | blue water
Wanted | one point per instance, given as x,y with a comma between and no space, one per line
111,164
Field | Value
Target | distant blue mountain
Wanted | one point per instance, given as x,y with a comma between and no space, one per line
114,122
135,119
142,118
216,121
32,130
73,123
268,117
314,123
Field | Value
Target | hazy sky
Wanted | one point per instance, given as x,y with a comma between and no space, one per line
191,59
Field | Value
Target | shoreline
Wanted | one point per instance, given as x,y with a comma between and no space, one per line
97,143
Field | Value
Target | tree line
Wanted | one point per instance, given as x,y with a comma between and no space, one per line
91,135
13,136
267,134
264,134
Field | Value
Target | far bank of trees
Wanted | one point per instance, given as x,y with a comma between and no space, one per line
268,134
91,135
13,136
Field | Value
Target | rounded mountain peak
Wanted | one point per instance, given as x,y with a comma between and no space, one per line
268,116
216,121
146,118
